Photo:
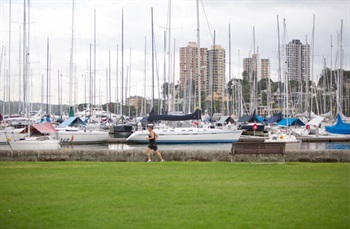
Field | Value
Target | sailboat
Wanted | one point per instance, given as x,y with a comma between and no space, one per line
292,143
122,127
40,139
339,128
32,142
186,135
70,131
194,134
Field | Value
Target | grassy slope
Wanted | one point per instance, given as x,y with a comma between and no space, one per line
173,195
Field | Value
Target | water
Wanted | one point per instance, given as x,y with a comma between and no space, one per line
226,146
325,145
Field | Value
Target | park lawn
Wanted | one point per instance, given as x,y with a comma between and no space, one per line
174,195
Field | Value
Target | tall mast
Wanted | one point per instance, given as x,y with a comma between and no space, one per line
212,75
173,87
279,64
90,77
42,94
9,63
28,56
94,83
286,104
340,73
47,76
239,92
169,56
25,59
117,83
199,61
331,82
164,75
106,90
229,70
110,80
61,98
129,83
19,71
152,58
122,102
312,64
254,73
58,89
3,55
71,61
144,104
324,85
268,95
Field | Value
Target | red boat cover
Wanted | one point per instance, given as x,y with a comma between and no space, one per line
43,128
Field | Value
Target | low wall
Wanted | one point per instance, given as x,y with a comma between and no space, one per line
172,155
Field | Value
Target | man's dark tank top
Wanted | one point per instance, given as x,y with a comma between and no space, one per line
152,141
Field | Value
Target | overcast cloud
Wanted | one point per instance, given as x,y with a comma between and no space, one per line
52,19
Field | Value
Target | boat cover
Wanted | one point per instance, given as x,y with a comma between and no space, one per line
275,118
71,121
251,118
225,119
43,128
291,121
316,121
339,128
196,115
261,119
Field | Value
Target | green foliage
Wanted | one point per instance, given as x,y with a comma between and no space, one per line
174,195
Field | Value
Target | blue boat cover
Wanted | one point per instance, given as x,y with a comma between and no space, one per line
72,121
261,119
196,115
291,121
251,118
339,128
245,118
275,118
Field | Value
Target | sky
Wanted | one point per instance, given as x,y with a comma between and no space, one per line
52,19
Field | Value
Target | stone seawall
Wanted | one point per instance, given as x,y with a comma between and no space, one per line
172,155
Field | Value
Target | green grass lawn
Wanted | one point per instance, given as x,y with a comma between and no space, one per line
174,195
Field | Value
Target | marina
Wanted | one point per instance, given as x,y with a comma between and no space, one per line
197,103
149,114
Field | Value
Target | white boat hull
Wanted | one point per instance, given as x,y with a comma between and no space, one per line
292,143
13,133
188,135
82,137
35,143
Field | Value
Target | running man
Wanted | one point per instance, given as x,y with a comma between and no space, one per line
152,136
